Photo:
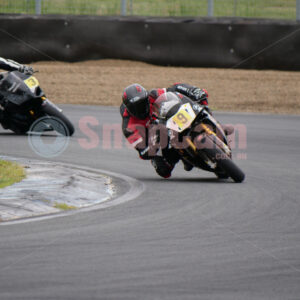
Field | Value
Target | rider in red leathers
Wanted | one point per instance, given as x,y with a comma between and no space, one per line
136,111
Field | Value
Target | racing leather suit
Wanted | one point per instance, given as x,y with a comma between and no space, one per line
136,130
9,65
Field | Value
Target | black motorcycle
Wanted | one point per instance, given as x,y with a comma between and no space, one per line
22,103
195,134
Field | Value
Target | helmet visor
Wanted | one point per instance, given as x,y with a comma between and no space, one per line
140,108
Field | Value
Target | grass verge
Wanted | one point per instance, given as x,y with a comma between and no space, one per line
281,9
63,206
10,173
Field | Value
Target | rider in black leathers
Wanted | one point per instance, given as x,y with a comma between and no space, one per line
11,65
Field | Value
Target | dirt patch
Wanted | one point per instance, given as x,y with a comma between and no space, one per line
102,82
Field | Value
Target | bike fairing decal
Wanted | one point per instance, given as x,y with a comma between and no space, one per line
182,119
32,83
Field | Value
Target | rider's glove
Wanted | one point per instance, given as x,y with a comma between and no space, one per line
26,70
200,95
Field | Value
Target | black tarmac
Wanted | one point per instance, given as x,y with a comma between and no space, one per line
189,237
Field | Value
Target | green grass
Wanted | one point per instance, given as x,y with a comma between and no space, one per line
280,9
63,206
10,173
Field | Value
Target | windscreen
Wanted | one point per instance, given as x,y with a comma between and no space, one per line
166,105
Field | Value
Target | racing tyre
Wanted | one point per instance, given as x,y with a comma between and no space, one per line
231,169
224,163
52,111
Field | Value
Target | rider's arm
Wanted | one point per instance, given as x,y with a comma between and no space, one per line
11,65
193,92
136,134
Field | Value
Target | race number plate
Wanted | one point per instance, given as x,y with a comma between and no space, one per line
31,82
182,119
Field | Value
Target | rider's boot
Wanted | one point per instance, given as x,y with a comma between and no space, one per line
162,167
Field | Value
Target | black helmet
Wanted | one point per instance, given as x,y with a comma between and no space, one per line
135,98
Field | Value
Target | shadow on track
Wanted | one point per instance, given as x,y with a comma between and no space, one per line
192,180
12,134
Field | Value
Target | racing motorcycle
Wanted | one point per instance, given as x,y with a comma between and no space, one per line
196,135
23,102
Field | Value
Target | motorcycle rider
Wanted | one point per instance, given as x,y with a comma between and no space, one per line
11,65
136,112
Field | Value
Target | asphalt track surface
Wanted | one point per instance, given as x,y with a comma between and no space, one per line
190,237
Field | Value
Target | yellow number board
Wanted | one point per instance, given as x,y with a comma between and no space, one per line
182,119
31,82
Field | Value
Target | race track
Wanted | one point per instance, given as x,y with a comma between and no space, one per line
190,237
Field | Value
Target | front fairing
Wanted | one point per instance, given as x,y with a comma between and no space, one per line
19,88
168,104
185,121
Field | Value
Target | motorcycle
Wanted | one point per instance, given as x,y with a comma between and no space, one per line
23,103
195,135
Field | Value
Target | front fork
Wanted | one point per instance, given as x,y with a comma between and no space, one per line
207,139
35,112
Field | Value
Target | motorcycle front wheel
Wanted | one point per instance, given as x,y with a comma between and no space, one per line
53,112
224,162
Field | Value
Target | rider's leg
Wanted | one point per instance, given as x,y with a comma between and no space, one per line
165,164
162,167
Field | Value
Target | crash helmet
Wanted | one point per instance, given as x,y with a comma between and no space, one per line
136,101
